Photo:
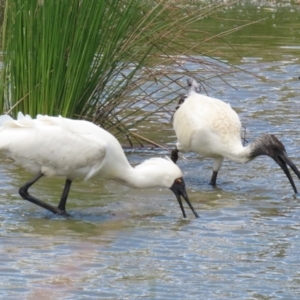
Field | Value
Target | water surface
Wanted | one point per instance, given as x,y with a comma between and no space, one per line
120,243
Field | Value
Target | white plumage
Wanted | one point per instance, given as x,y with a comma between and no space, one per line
211,128
57,146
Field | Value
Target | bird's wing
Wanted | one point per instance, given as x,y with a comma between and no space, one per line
45,144
203,120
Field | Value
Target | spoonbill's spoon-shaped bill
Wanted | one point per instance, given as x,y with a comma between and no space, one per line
57,146
211,128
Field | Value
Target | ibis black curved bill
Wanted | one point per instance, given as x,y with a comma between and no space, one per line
178,188
283,161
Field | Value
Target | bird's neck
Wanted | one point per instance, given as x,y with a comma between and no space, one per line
137,178
243,154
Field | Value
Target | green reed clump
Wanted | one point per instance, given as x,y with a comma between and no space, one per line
95,59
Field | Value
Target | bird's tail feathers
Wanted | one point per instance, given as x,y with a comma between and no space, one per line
21,121
21,116
4,119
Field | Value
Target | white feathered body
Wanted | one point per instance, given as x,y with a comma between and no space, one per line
58,146
210,127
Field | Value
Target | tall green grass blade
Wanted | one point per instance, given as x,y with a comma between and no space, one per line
106,61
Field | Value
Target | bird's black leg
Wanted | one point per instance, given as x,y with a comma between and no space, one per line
23,191
213,180
174,155
63,200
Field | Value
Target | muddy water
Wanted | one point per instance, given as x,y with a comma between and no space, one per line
120,243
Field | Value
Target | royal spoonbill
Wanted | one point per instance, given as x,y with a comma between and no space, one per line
57,146
211,128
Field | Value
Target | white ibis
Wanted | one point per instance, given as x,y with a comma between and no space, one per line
211,128
57,146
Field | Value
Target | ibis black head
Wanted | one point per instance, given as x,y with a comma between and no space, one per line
269,145
178,188
181,100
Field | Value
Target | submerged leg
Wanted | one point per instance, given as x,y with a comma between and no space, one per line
216,167
213,180
63,200
23,191
174,155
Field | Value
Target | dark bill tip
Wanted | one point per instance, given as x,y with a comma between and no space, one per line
179,190
180,204
283,161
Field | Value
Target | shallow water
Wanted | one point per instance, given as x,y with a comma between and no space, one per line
120,243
